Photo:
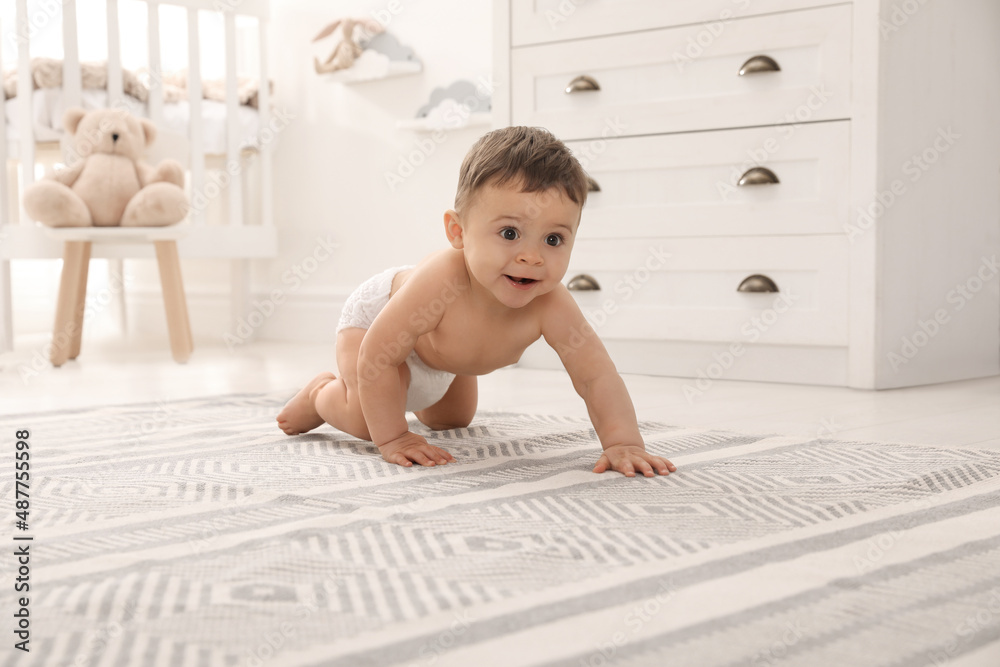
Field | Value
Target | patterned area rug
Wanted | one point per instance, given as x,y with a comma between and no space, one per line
196,533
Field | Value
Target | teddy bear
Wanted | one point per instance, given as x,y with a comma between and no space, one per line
106,183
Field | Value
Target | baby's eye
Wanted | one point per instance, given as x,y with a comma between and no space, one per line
554,239
509,233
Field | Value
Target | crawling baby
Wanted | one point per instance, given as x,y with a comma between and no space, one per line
414,338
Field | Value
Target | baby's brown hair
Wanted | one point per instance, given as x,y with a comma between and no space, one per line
529,155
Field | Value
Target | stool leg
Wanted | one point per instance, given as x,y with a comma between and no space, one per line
6,311
81,302
75,254
181,343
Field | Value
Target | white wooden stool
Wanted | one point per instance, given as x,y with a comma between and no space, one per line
68,329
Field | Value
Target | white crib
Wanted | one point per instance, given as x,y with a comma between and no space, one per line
245,231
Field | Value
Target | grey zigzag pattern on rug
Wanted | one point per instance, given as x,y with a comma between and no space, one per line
195,533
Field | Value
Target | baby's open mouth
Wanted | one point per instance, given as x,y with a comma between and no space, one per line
520,281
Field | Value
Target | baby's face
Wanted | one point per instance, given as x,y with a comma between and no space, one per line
517,244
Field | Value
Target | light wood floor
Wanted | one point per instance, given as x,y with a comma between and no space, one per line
111,370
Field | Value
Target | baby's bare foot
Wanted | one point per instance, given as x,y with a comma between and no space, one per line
299,414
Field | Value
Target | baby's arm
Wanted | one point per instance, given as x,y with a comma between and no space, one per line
386,345
597,381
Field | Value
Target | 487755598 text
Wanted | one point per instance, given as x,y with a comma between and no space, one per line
22,505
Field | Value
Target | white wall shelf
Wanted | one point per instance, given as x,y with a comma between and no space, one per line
475,119
358,75
459,105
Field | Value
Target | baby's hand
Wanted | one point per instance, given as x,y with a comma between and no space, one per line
412,447
627,459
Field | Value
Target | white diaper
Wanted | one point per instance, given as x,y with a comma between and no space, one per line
427,385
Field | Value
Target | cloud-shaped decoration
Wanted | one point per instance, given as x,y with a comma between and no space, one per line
448,115
387,44
370,65
464,93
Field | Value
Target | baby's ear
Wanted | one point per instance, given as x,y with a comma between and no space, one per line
453,229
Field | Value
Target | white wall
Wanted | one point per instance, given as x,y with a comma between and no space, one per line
331,162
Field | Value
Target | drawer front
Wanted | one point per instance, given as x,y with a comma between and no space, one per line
688,184
646,86
686,289
540,21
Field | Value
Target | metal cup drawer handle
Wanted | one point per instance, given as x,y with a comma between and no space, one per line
758,176
581,84
759,64
583,283
757,283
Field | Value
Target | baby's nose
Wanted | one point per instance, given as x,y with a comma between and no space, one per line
530,256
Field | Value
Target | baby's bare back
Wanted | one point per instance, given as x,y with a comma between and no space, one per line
476,334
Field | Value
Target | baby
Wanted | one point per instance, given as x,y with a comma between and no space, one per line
415,337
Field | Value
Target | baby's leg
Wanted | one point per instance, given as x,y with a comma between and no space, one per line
338,403
456,408
331,399
299,414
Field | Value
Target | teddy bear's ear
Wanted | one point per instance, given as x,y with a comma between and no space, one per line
149,129
372,26
327,30
72,118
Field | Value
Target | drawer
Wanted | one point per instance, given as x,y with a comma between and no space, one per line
688,184
540,21
646,86
686,289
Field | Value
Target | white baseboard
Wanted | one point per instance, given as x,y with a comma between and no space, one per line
306,317
311,317
302,317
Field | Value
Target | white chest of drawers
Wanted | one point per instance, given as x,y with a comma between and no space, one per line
844,154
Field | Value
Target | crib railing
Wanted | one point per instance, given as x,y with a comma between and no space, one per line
233,240
72,88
